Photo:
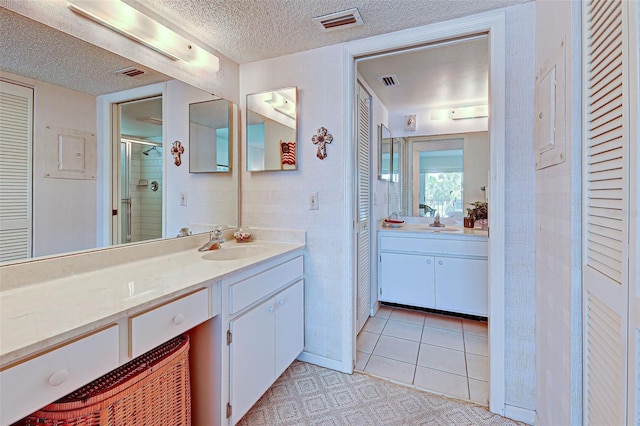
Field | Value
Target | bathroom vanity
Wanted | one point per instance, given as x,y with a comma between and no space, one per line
444,269
101,309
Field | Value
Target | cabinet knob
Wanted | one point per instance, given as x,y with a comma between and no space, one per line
281,302
428,261
271,309
440,262
58,377
178,319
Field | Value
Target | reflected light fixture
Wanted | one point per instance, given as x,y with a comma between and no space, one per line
282,104
460,113
130,22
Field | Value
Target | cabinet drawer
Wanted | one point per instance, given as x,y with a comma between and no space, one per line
462,247
31,385
246,292
151,328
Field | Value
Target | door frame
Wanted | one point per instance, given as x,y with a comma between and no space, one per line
492,23
107,154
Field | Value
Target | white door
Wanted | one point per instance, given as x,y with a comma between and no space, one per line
363,232
16,116
289,326
252,357
606,212
633,361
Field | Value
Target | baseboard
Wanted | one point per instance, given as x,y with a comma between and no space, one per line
323,362
520,414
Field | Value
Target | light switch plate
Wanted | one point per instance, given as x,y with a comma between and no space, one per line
313,201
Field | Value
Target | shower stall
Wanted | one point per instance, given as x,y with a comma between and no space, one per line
140,190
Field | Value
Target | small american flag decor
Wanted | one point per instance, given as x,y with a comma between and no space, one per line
288,150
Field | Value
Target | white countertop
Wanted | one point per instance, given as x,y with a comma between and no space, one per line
424,230
36,317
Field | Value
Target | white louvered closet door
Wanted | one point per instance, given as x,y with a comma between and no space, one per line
363,233
16,112
606,210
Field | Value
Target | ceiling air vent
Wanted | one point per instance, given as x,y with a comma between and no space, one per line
389,80
132,72
340,20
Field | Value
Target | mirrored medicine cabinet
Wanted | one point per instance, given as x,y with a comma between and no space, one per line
271,130
210,136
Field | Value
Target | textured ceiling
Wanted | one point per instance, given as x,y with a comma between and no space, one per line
250,30
455,74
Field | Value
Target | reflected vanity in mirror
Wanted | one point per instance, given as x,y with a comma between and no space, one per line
272,130
73,214
210,133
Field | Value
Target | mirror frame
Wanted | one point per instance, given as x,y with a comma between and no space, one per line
192,140
266,112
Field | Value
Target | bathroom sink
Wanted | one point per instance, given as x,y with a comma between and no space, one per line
233,253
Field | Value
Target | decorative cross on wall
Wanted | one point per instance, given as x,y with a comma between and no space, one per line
321,139
177,150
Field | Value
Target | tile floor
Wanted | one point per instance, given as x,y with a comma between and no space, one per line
440,353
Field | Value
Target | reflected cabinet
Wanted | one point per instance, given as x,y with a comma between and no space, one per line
272,130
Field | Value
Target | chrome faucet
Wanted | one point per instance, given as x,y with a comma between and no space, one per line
436,221
215,242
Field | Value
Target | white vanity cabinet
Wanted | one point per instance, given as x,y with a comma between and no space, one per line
444,272
407,278
265,330
265,341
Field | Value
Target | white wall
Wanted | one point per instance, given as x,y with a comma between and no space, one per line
211,197
64,210
279,199
558,235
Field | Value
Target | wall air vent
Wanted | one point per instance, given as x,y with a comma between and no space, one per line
388,80
340,20
132,72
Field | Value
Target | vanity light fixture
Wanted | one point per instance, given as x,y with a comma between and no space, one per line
130,22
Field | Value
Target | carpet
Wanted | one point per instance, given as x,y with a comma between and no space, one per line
307,395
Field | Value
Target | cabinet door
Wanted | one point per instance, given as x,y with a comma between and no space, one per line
407,279
289,326
251,357
461,285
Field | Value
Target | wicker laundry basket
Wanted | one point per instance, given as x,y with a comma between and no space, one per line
152,389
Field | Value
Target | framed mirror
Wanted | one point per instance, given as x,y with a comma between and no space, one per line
210,133
385,153
272,130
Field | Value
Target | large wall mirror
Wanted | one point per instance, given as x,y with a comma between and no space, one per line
70,79
210,135
443,174
272,130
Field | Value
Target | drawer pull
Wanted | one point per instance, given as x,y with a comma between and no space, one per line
178,319
58,377
271,309
281,302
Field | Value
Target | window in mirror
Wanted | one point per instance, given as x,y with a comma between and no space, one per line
437,178
385,152
209,136
272,130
